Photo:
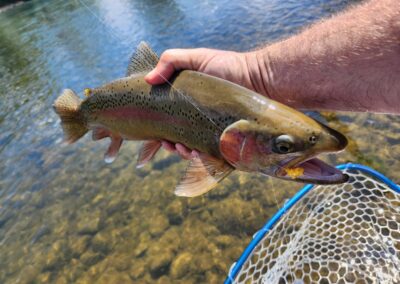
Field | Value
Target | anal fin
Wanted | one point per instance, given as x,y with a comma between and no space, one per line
147,152
202,175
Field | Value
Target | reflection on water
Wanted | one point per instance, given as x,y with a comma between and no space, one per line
65,216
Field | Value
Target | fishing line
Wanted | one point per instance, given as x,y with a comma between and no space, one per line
114,34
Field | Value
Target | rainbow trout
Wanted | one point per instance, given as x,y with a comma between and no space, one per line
231,126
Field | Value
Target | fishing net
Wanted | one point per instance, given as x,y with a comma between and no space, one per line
345,233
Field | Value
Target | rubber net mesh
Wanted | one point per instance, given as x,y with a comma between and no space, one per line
334,234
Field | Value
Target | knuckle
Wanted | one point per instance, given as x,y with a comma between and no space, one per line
168,56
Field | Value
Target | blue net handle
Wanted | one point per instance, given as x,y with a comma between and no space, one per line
235,268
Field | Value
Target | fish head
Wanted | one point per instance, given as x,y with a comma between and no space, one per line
285,146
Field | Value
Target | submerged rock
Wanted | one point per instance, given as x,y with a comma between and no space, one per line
213,277
101,243
164,280
78,245
44,277
181,265
95,270
61,280
158,225
89,225
40,233
28,274
121,262
175,212
113,276
225,241
159,263
138,269
143,244
90,258
234,215
141,249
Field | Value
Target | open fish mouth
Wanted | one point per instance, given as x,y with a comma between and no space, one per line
311,171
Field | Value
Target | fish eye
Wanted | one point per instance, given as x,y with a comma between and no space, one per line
283,144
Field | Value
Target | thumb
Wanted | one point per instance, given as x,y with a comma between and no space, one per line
172,60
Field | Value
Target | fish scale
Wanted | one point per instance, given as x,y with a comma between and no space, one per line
230,127
156,101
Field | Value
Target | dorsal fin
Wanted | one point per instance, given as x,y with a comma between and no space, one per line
143,60
202,175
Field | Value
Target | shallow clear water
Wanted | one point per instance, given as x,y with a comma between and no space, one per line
65,215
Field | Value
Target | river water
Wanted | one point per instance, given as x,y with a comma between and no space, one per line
65,215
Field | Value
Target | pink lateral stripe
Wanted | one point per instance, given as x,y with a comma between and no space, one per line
143,114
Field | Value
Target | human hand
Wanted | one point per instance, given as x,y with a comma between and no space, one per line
228,65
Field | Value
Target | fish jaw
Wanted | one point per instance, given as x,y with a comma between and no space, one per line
311,170
308,169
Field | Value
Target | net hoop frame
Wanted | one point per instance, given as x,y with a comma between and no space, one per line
259,235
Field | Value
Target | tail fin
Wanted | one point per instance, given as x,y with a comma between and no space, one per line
67,107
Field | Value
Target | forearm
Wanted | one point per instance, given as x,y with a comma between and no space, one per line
349,62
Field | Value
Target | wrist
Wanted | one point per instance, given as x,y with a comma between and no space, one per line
260,72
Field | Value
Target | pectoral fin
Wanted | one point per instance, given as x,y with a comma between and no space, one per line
113,149
147,152
202,174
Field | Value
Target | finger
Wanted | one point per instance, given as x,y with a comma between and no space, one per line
168,146
183,151
175,59
195,153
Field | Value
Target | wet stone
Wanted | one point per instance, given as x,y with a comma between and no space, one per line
5,217
181,265
89,225
112,276
40,233
195,202
95,270
144,241
85,279
158,225
159,264
115,206
213,278
101,243
61,280
175,212
140,249
164,280
28,274
137,269
44,277
165,163
122,262
90,258
224,241
203,263
53,260
78,245
74,270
